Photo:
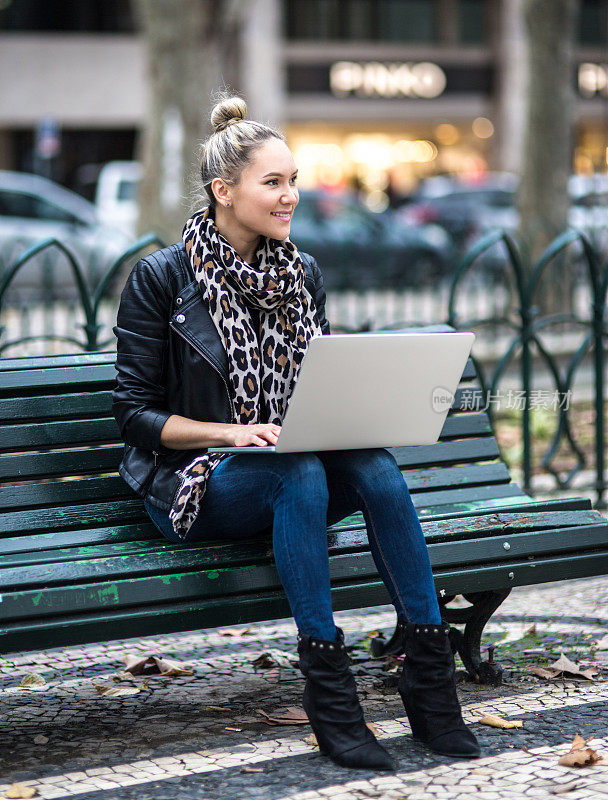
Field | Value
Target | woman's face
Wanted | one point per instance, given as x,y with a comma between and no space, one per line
266,195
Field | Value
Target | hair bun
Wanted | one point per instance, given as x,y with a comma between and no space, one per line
228,112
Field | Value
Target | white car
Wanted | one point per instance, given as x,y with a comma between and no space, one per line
116,194
32,209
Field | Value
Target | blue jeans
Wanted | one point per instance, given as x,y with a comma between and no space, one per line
298,495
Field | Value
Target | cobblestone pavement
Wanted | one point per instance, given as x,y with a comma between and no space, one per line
199,736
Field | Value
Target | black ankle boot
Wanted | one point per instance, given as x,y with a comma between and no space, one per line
332,705
428,691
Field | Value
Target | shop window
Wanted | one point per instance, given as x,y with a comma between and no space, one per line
109,16
385,20
593,22
313,19
472,21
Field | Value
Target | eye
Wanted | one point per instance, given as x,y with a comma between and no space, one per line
272,182
294,179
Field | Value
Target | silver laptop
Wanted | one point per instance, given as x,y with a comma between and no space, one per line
371,390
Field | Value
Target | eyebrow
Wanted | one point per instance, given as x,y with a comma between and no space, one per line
278,174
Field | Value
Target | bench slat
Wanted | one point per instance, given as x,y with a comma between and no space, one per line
72,432
54,407
44,546
70,462
83,489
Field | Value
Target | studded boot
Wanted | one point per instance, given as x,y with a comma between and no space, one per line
332,705
428,691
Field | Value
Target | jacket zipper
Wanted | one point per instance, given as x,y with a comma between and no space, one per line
187,339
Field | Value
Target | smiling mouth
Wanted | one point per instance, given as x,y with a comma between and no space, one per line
285,216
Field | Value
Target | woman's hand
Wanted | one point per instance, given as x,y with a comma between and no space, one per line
259,435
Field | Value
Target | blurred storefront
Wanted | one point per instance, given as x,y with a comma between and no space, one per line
373,94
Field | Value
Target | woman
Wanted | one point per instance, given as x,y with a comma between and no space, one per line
211,334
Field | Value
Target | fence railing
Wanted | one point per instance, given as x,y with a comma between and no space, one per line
515,336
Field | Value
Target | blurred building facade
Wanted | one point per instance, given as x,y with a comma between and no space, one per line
371,93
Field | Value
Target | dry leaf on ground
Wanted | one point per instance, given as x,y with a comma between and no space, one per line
251,769
19,790
311,739
232,631
602,644
40,739
116,691
218,709
288,716
563,666
154,665
265,661
580,755
531,630
228,728
498,722
32,681
373,634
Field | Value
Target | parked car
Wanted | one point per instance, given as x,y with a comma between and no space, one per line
33,208
358,249
116,194
464,210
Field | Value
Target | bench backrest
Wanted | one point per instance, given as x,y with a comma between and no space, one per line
60,451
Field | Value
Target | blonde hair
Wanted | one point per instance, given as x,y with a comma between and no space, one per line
231,145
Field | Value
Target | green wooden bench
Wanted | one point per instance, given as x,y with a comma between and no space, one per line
80,562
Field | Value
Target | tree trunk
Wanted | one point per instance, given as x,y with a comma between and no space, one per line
550,27
185,49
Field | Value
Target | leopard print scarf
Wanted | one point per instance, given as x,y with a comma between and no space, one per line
262,372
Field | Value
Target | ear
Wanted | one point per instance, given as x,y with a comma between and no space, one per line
221,191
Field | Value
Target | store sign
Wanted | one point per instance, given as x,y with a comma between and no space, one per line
593,80
374,79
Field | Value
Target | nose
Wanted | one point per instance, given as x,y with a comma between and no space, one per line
291,196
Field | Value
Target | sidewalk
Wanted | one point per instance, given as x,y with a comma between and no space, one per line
199,736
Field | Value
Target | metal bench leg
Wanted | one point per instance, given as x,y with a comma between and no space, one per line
468,644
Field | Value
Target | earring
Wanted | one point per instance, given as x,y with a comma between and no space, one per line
227,204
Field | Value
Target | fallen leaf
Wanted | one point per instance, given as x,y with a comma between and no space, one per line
602,644
565,788
563,666
40,739
116,691
251,769
265,661
19,790
531,630
31,681
580,758
579,755
290,716
498,722
218,709
238,730
232,631
373,634
123,676
150,665
578,742
311,739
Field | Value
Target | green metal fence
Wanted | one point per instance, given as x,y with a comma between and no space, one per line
523,347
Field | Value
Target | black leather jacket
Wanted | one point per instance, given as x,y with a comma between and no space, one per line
171,360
